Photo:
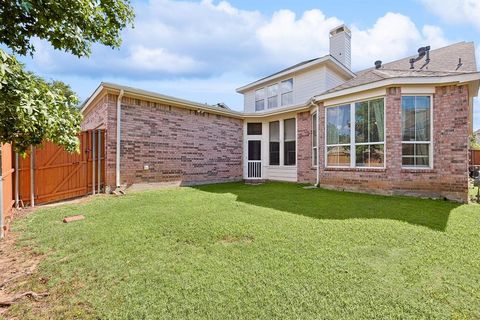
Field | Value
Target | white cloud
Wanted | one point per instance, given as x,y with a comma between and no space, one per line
288,40
189,42
456,11
476,114
159,60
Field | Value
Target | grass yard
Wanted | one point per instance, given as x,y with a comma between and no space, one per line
273,251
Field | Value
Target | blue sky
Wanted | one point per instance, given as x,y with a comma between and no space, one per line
203,50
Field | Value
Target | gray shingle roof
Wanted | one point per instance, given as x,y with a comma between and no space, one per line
443,62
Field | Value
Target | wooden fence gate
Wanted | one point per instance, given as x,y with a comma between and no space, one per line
474,157
52,174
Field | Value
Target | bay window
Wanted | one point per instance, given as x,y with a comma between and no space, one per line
369,133
338,136
274,143
289,142
355,134
260,99
416,131
314,139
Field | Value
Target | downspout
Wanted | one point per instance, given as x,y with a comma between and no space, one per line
313,103
117,161
317,184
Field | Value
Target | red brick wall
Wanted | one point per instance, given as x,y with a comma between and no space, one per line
306,172
103,115
178,145
448,178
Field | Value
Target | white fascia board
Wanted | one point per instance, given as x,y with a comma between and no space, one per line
142,94
295,108
462,78
92,97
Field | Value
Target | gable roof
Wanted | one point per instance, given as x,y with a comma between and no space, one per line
219,108
443,62
328,59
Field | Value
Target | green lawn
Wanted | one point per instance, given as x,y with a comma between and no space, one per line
273,251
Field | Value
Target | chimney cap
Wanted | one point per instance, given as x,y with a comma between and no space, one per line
378,64
339,29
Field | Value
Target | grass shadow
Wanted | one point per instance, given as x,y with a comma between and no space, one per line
337,205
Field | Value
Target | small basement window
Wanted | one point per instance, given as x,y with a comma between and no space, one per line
254,128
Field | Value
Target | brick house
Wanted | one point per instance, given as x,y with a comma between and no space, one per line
400,127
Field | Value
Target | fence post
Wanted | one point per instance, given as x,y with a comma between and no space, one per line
32,176
1,194
17,180
93,162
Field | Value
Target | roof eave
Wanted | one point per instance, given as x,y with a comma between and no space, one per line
160,98
464,78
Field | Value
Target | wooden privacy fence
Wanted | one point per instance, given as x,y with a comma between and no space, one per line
475,157
6,195
50,174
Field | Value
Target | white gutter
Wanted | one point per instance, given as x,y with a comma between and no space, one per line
461,78
317,184
119,114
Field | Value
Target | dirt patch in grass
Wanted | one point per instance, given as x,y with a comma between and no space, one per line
18,265
226,240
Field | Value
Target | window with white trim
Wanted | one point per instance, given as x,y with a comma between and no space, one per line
272,96
287,92
274,143
416,131
369,133
314,139
260,99
289,142
362,145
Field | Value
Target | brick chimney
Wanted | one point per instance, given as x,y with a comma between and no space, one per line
340,45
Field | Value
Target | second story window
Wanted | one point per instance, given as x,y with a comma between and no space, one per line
260,99
287,92
272,93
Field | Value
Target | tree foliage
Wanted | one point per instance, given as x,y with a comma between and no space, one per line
33,110
70,25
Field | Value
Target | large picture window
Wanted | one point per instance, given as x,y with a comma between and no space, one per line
369,133
360,146
416,131
274,143
289,142
338,136
314,139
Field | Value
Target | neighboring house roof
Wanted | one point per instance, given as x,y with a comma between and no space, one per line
443,62
328,59
105,86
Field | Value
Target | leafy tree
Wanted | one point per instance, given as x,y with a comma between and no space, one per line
31,109
70,25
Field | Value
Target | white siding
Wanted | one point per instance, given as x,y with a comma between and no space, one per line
249,101
281,173
308,84
333,79
305,85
